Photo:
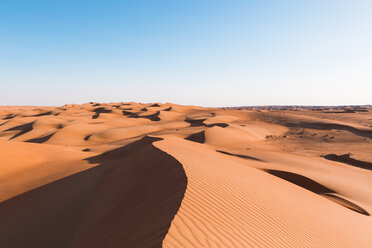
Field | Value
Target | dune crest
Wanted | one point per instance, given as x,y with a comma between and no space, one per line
133,174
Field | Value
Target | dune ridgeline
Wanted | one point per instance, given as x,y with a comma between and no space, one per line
167,175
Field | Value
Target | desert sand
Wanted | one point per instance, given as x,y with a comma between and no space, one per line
165,175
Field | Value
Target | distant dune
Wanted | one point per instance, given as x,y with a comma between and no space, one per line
165,175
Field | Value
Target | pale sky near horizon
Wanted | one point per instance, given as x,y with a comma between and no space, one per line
200,52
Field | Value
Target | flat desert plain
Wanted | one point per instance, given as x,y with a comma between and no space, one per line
166,175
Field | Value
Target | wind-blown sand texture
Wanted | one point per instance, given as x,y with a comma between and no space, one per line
166,175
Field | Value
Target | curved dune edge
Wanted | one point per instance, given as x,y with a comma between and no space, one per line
228,204
40,139
301,181
24,128
128,200
197,137
317,188
63,199
347,204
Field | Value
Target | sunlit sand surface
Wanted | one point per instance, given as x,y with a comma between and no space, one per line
166,175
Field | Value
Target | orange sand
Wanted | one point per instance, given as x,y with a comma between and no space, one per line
152,175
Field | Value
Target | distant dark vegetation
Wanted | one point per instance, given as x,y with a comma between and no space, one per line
331,109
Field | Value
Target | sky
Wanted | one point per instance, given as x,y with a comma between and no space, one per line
197,52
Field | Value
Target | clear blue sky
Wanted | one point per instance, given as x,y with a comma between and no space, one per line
202,52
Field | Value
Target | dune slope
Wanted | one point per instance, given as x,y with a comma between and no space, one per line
164,175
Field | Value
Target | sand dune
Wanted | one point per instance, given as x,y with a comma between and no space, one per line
164,175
